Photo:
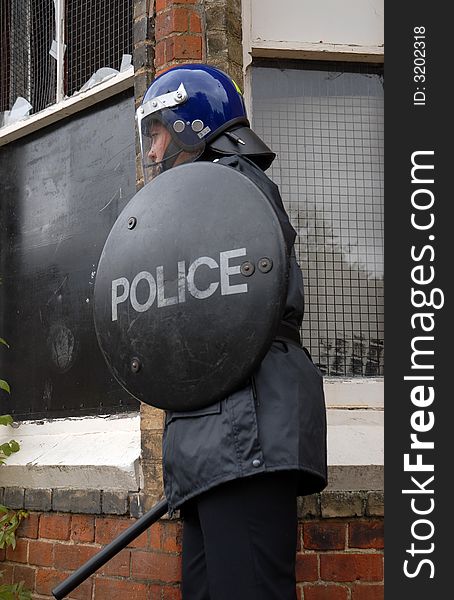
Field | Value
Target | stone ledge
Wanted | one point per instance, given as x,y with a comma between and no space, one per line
93,502
354,478
77,501
326,505
341,504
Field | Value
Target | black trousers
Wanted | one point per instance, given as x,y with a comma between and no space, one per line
239,540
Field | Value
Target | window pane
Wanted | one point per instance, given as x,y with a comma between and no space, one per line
325,122
43,65
98,33
62,195
27,69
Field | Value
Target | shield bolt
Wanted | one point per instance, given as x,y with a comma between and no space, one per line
132,222
247,268
135,365
265,264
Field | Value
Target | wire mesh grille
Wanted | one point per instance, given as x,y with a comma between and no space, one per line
325,121
98,33
4,55
43,68
15,23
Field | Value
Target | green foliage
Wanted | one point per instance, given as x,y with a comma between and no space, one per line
9,522
14,591
4,385
7,449
10,519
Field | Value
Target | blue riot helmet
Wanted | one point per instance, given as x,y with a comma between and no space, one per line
195,103
202,110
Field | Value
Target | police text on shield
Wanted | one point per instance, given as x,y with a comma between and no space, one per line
122,288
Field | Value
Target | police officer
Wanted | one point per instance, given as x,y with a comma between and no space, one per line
235,468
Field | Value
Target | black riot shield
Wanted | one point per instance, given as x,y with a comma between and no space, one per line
190,286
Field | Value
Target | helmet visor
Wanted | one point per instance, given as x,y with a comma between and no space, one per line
161,144
161,150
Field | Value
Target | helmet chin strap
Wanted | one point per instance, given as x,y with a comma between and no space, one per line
170,155
172,152
168,160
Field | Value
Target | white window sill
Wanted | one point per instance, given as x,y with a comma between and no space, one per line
67,107
355,433
355,449
104,452
316,51
75,453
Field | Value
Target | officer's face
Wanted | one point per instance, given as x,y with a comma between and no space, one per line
159,139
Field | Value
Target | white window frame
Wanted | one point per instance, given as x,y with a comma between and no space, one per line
67,107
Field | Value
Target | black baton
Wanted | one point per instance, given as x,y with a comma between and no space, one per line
99,559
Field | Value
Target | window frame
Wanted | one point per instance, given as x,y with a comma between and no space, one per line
340,392
67,107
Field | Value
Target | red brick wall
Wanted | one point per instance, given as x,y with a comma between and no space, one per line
198,31
338,559
52,545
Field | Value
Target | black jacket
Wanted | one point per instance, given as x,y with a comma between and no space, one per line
276,422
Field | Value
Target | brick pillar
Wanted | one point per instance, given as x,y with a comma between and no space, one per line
151,418
223,37
167,33
206,31
179,36
151,424
143,55
143,60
